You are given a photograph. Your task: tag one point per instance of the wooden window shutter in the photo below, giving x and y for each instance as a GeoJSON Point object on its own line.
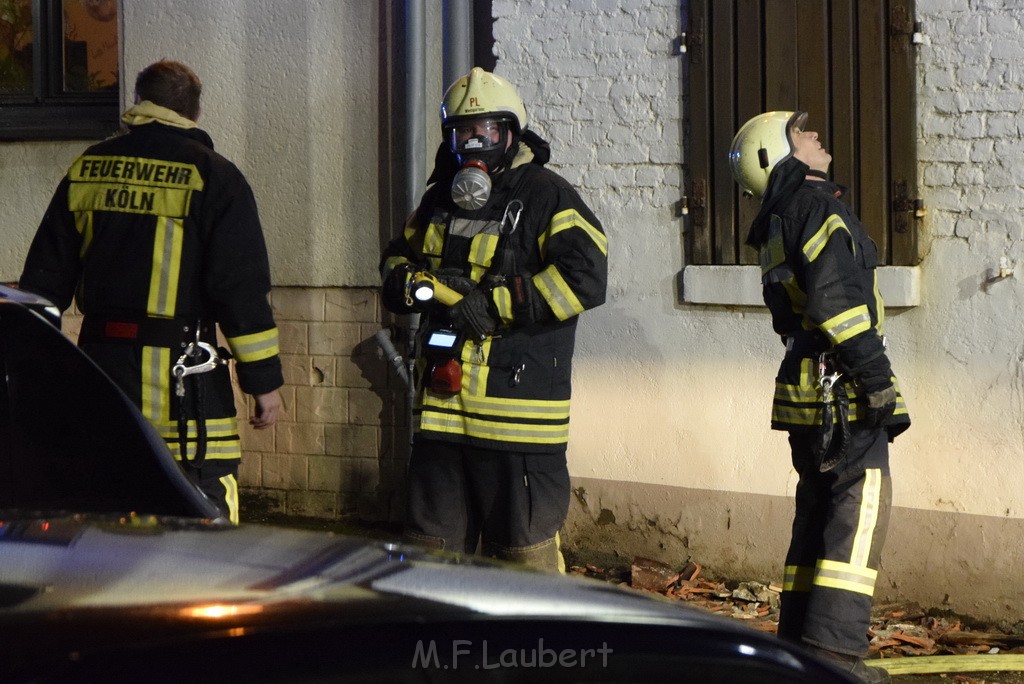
{"type": "Point", "coordinates": [849, 63]}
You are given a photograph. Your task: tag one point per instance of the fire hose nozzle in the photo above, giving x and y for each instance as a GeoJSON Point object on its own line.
{"type": "Point", "coordinates": [426, 287]}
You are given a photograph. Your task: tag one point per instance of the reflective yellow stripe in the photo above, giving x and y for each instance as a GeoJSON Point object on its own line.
{"type": "Point", "coordinates": [498, 406]}
{"type": "Point", "coordinates": [163, 283]}
{"type": "Point", "coordinates": [231, 496]}
{"type": "Point", "coordinates": [792, 415]}
{"type": "Point", "coordinates": [849, 323]}
{"type": "Point", "coordinates": [221, 450]}
{"type": "Point", "coordinates": [256, 346]}
{"type": "Point", "coordinates": [805, 396]}
{"type": "Point", "coordinates": [797, 297]}
{"type": "Point", "coordinates": [494, 417]}
{"type": "Point", "coordinates": [215, 428]}
{"type": "Point", "coordinates": [557, 293]}
{"type": "Point", "coordinates": [474, 371]}
{"type": "Point", "coordinates": [503, 303]}
{"type": "Point", "coordinates": [459, 424]}
{"type": "Point", "coordinates": [798, 578]}
{"type": "Point", "coordinates": [481, 254]}
{"type": "Point", "coordinates": [879, 305]}
{"type": "Point", "coordinates": [796, 394]}
{"type": "Point", "coordinates": [570, 218]}
{"type": "Point", "coordinates": [845, 576]}
{"type": "Point", "coordinates": [812, 248]}
{"type": "Point", "coordinates": [391, 262]}
{"type": "Point", "coordinates": [433, 240]}
{"type": "Point", "coordinates": [155, 389]}
{"type": "Point", "coordinates": [871, 497]}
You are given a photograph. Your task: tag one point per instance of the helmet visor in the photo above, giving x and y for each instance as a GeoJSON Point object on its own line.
{"type": "Point", "coordinates": [477, 135]}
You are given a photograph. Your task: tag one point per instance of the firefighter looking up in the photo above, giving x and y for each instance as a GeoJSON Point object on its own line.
{"type": "Point", "coordinates": [158, 239]}
{"type": "Point", "coordinates": [527, 256]}
{"type": "Point", "coordinates": [835, 392]}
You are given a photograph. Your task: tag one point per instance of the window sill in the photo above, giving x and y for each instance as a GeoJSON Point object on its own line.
{"type": "Point", "coordinates": [741, 285]}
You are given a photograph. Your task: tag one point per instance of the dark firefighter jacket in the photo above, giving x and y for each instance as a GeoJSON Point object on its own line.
{"type": "Point", "coordinates": [152, 232]}
{"type": "Point", "coordinates": [818, 274]}
{"type": "Point", "coordinates": [516, 384]}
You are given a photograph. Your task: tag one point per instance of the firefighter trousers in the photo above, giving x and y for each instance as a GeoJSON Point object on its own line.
{"type": "Point", "coordinates": [509, 504]}
{"type": "Point", "coordinates": [838, 533]}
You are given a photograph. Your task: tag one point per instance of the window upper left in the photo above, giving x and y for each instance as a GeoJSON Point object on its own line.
{"type": "Point", "coordinates": [59, 69]}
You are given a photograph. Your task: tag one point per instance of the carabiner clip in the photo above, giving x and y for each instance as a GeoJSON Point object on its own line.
{"type": "Point", "coordinates": [508, 215]}
{"type": "Point", "coordinates": [193, 350]}
{"type": "Point", "coordinates": [826, 379]}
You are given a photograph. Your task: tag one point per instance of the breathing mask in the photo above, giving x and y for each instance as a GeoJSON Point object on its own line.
{"type": "Point", "coordinates": [480, 144]}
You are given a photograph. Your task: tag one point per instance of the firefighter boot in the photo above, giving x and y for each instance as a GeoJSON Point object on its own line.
{"type": "Point", "coordinates": [851, 665]}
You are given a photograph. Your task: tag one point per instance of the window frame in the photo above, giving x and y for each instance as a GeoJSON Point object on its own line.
{"type": "Point", "coordinates": [48, 113]}
{"type": "Point", "coordinates": [854, 71]}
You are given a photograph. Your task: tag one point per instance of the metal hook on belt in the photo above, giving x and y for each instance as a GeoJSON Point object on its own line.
{"type": "Point", "coordinates": [826, 379]}
{"type": "Point", "coordinates": [193, 350]}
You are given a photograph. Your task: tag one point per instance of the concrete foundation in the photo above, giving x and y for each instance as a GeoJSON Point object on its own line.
{"type": "Point", "coordinates": [937, 559]}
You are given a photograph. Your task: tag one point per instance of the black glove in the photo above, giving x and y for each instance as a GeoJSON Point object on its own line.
{"type": "Point", "coordinates": [394, 290]}
{"type": "Point", "coordinates": [878, 395]}
{"type": "Point", "coordinates": [474, 315]}
{"type": "Point", "coordinates": [452, 278]}
{"type": "Point", "coordinates": [864, 361]}
{"type": "Point", "coordinates": [880, 405]}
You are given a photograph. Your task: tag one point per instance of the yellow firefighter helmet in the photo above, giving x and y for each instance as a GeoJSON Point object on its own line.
{"type": "Point", "coordinates": [761, 145]}
{"type": "Point", "coordinates": [479, 94]}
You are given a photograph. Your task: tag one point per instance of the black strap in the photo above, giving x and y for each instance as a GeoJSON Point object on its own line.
{"type": "Point", "coordinates": [198, 391]}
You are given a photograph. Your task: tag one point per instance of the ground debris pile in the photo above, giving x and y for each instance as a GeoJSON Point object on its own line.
{"type": "Point", "coordinates": [908, 630]}
{"type": "Point", "coordinates": [896, 630]}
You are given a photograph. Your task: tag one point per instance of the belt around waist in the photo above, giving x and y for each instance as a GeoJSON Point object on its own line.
{"type": "Point", "coordinates": [806, 343]}
{"type": "Point", "coordinates": [173, 333]}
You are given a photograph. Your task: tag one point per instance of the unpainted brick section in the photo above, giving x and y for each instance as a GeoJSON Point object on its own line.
{"type": "Point", "coordinates": [322, 459]}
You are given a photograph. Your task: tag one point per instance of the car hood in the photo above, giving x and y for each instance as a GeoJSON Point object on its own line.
{"type": "Point", "coordinates": [82, 562]}
{"type": "Point", "coordinates": [107, 597]}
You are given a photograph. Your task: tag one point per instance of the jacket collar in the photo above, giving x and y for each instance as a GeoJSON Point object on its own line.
{"type": "Point", "coordinates": [146, 113]}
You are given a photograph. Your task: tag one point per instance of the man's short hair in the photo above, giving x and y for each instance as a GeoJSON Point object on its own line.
{"type": "Point", "coordinates": [172, 85]}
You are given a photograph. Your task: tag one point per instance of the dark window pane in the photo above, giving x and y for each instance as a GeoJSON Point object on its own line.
{"type": "Point", "coordinates": [16, 20]}
{"type": "Point", "coordinates": [90, 46]}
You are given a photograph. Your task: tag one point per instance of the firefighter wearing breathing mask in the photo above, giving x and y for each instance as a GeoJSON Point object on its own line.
{"type": "Point", "coordinates": [525, 256]}
{"type": "Point", "coordinates": [835, 390]}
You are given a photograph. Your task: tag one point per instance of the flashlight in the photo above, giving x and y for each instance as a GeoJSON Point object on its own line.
{"type": "Point", "coordinates": [425, 287]}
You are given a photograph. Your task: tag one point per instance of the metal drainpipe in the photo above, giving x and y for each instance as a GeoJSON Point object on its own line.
{"type": "Point", "coordinates": [457, 28]}
{"type": "Point", "coordinates": [457, 21]}
{"type": "Point", "coordinates": [415, 154]}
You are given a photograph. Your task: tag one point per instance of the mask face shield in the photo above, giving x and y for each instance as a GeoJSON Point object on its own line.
{"type": "Point", "coordinates": [476, 137]}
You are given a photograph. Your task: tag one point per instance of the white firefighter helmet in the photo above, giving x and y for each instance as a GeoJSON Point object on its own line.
{"type": "Point", "coordinates": [760, 145]}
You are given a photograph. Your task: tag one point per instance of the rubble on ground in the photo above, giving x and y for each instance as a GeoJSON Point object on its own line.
{"type": "Point", "coordinates": [896, 630]}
